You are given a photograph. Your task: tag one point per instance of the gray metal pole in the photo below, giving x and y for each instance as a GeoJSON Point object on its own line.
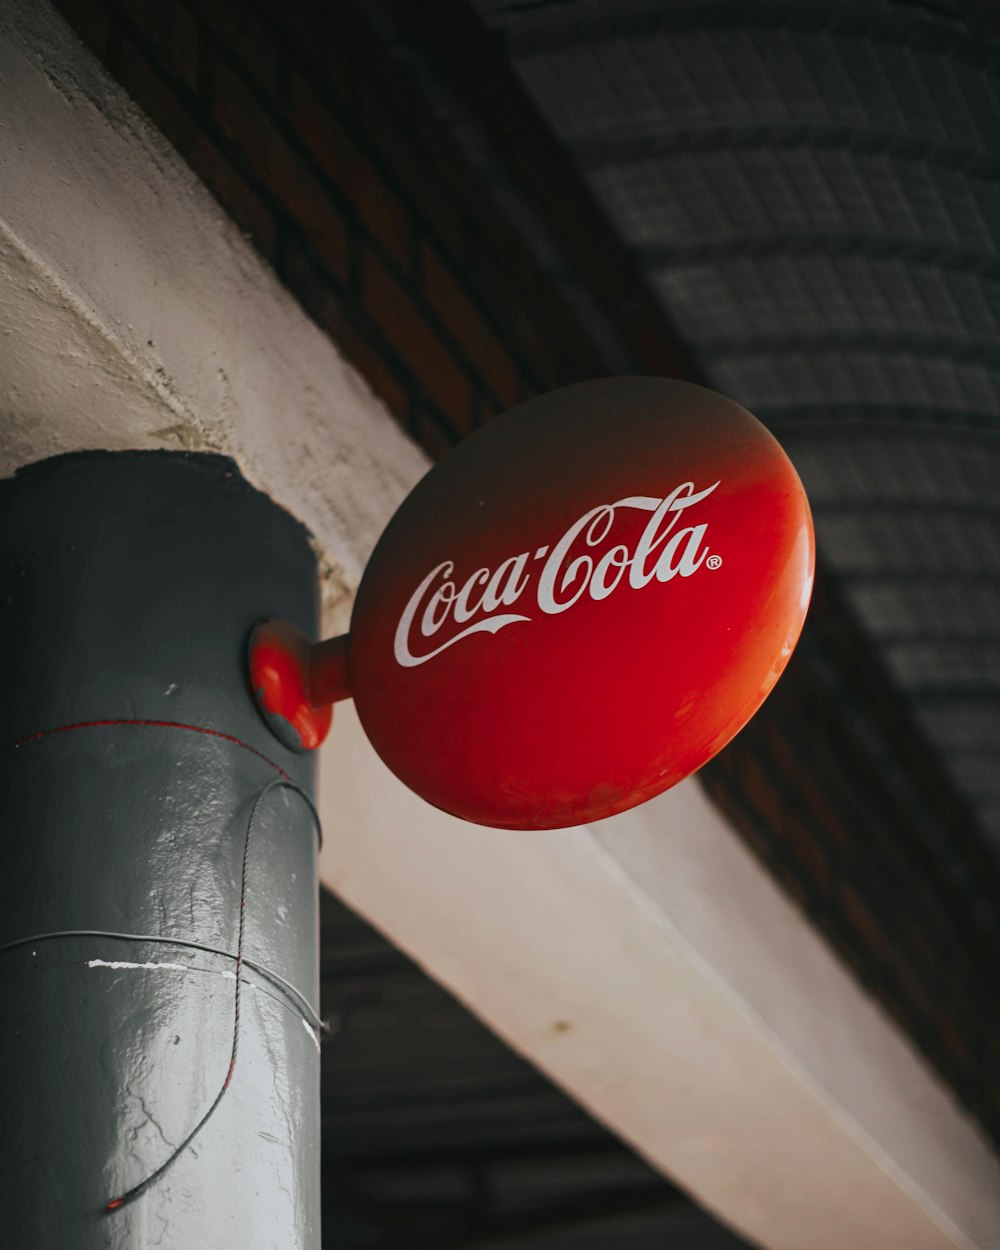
{"type": "Point", "coordinates": [132, 761]}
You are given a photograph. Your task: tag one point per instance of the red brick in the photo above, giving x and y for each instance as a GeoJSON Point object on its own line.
{"type": "Point", "coordinates": [529, 337]}
{"type": "Point", "coordinates": [795, 884]}
{"type": "Point", "coordinates": [547, 334]}
{"type": "Point", "coordinates": [914, 987]}
{"type": "Point", "coordinates": [253, 216]}
{"type": "Point", "coordinates": [315, 42]}
{"type": "Point", "coordinates": [815, 786]}
{"type": "Point", "coordinates": [930, 938]}
{"type": "Point", "coordinates": [377, 372]}
{"type": "Point", "coordinates": [379, 209]}
{"type": "Point", "coordinates": [528, 388]}
{"type": "Point", "coordinates": [171, 33]}
{"type": "Point", "coordinates": [151, 91]}
{"type": "Point", "coordinates": [148, 88]}
{"type": "Point", "coordinates": [253, 41]}
{"type": "Point", "coordinates": [759, 791]}
{"type": "Point", "coordinates": [184, 130]}
{"type": "Point", "coordinates": [382, 213]}
{"type": "Point", "coordinates": [862, 920]}
{"type": "Point", "coordinates": [406, 328]}
{"type": "Point", "coordinates": [806, 844]}
{"type": "Point", "coordinates": [448, 198]}
{"type": "Point", "coordinates": [486, 409]}
{"type": "Point", "coordinates": [417, 171]}
{"type": "Point", "coordinates": [88, 22]}
{"type": "Point", "coordinates": [432, 435]}
{"type": "Point", "coordinates": [788, 758]}
{"type": "Point", "coordinates": [753, 832]}
{"type": "Point", "coordinates": [463, 321]}
{"type": "Point", "coordinates": [310, 285]}
{"type": "Point", "coordinates": [257, 136]}
{"type": "Point", "coordinates": [251, 125]}
{"type": "Point", "coordinates": [322, 224]}
{"type": "Point", "coordinates": [321, 131]}
{"type": "Point", "coordinates": [431, 168]}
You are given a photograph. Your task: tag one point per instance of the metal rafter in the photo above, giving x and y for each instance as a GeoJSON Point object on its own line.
{"type": "Point", "coordinates": [850, 421]}
{"type": "Point", "coordinates": [666, 256]}
{"type": "Point", "coordinates": [885, 342]}
{"type": "Point", "coordinates": [545, 28]}
{"type": "Point", "coordinates": [749, 134]}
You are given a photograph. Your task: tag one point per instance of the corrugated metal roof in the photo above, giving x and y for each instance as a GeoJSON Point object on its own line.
{"type": "Point", "coordinates": [812, 192]}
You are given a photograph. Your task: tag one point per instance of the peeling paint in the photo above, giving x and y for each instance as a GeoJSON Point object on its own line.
{"type": "Point", "coordinates": [188, 436]}
{"type": "Point", "coordinates": [119, 964]}
{"type": "Point", "coordinates": [124, 963]}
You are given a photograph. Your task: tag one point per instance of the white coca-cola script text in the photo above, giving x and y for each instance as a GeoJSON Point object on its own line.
{"type": "Point", "coordinates": [571, 569]}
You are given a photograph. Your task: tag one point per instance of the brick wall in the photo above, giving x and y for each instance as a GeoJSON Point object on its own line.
{"type": "Point", "coordinates": [314, 142]}
{"type": "Point", "coordinates": [321, 148]}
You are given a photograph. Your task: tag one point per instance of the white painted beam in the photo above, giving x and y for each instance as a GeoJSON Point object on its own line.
{"type": "Point", "coordinates": [653, 969]}
{"type": "Point", "coordinates": [648, 964]}
{"type": "Point", "coordinates": [135, 314]}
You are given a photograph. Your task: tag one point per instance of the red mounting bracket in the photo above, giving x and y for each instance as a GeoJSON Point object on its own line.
{"type": "Point", "coordinates": [296, 682]}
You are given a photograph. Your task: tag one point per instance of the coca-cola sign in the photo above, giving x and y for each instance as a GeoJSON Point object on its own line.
{"type": "Point", "coordinates": [581, 603]}
{"type": "Point", "coordinates": [663, 552]}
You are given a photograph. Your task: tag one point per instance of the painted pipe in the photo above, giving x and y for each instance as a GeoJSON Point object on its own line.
{"type": "Point", "coordinates": [158, 889]}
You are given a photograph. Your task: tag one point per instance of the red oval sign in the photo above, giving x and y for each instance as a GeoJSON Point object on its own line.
{"type": "Point", "coordinates": [582, 603]}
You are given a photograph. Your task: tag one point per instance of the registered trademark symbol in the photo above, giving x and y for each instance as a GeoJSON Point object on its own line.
{"type": "Point", "coordinates": [714, 562]}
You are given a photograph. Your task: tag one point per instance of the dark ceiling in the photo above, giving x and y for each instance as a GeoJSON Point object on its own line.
{"type": "Point", "coordinates": [810, 190]}
{"type": "Point", "coordinates": [436, 1135]}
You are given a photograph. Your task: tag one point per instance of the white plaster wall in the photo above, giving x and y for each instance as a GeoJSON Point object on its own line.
{"type": "Point", "coordinates": [707, 1023]}
{"type": "Point", "coordinates": [136, 314]}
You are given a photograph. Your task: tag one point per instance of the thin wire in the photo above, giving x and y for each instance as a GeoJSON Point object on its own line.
{"type": "Point", "coordinates": [40, 734]}
{"type": "Point", "coordinates": [148, 724]}
{"type": "Point", "coordinates": [296, 996]}
{"type": "Point", "coordinates": [116, 1204]}
{"type": "Point", "coordinates": [282, 781]}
